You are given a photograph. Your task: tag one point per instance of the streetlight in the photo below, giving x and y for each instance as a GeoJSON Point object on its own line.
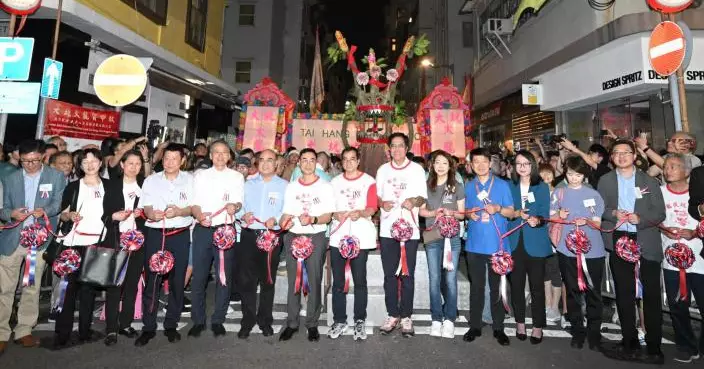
{"type": "Point", "coordinates": [425, 64]}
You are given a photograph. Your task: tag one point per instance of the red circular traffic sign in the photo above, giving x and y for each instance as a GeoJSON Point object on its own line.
{"type": "Point", "coordinates": [666, 49]}
{"type": "Point", "coordinates": [670, 6]}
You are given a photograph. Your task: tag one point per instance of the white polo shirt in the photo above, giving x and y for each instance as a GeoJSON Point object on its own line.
{"type": "Point", "coordinates": [159, 192]}
{"type": "Point", "coordinates": [213, 189]}
{"type": "Point", "coordinates": [398, 183]}
{"type": "Point", "coordinates": [314, 199]}
{"type": "Point", "coordinates": [354, 194]}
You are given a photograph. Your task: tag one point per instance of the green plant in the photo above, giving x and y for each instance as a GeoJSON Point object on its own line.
{"type": "Point", "coordinates": [400, 114]}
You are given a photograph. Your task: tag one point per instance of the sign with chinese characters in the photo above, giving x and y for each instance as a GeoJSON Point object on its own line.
{"type": "Point", "coordinates": [260, 127]}
{"type": "Point", "coordinates": [322, 135]}
{"type": "Point", "coordinates": [447, 131]}
{"type": "Point", "coordinates": [64, 119]}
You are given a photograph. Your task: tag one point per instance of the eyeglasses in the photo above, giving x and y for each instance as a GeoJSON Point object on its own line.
{"type": "Point", "coordinates": [622, 153]}
{"type": "Point", "coordinates": [28, 161]}
{"type": "Point", "coordinates": [523, 165]}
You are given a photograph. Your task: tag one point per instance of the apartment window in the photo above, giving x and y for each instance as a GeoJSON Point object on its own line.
{"type": "Point", "coordinates": [243, 72]}
{"type": "Point", "coordinates": [155, 10]}
{"type": "Point", "coordinates": [197, 21]}
{"type": "Point", "coordinates": [467, 34]}
{"type": "Point", "coordinates": [247, 14]}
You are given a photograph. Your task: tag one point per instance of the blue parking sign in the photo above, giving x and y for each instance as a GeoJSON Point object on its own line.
{"type": "Point", "coordinates": [15, 58]}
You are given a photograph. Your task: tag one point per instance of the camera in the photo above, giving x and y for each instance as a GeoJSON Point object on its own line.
{"type": "Point", "coordinates": [557, 139]}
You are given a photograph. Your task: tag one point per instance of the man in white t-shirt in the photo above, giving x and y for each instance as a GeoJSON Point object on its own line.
{"type": "Point", "coordinates": [218, 193]}
{"type": "Point", "coordinates": [681, 228]}
{"type": "Point", "coordinates": [166, 200]}
{"type": "Point", "coordinates": [308, 207]}
{"type": "Point", "coordinates": [355, 203]}
{"type": "Point", "coordinates": [401, 190]}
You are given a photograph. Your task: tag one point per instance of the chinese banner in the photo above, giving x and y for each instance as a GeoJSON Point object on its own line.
{"type": "Point", "coordinates": [447, 131]}
{"type": "Point", "coordinates": [68, 120]}
{"type": "Point", "coordinates": [260, 127]}
{"type": "Point", "coordinates": [321, 135]}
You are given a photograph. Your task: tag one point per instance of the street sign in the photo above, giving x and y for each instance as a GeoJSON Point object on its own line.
{"type": "Point", "coordinates": [15, 58]}
{"type": "Point", "coordinates": [51, 78]}
{"type": "Point", "coordinates": [670, 6]}
{"type": "Point", "coordinates": [666, 49]}
{"type": "Point", "coordinates": [19, 97]}
{"type": "Point", "coordinates": [120, 80]}
{"type": "Point", "coordinates": [532, 94]}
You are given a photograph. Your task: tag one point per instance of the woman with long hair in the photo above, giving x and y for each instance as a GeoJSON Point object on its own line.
{"type": "Point", "coordinates": [445, 198]}
{"type": "Point", "coordinates": [83, 226]}
{"type": "Point", "coordinates": [530, 245]}
{"type": "Point", "coordinates": [119, 204]}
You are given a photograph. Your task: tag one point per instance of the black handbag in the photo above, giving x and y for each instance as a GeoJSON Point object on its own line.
{"type": "Point", "coordinates": [55, 247]}
{"type": "Point", "coordinates": [101, 266]}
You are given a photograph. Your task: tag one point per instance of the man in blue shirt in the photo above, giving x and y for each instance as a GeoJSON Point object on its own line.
{"type": "Point", "coordinates": [493, 195]}
{"type": "Point", "coordinates": [263, 203]}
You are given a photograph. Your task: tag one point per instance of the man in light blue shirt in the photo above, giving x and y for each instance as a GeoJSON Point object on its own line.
{"type": "Point", "coordinates": [263, 205]}
{"type": "Point", "coordinates": [626, 198]}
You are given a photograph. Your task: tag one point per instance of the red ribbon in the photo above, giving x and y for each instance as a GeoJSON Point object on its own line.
{"type": "Point", "coordinates": [683, 285]}
{"type": "Point", "coordinates": [348, 275]}
{"type": "Point", "coordinates": [404, 259]}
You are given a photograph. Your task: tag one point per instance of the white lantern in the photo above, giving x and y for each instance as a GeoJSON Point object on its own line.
{"type": "Point", "coordinates": [670, 6]}
{"type": "Point", "coordinates": [20, 7]}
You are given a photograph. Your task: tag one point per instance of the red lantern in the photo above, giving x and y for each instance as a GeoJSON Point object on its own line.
{"type": "Point", "coordinates": [20, 7]}
{"type": "Point", "coordinates": [669, 6]}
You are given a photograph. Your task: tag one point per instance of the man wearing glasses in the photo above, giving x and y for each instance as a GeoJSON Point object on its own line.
{"type": "Point", "coordinates": [29, 195]}
{"type": "Point", "coordinates": [634, 204]}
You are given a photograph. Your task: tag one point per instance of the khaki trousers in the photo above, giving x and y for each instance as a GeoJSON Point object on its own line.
{"type": "Point", "coordinates": [28, 310]}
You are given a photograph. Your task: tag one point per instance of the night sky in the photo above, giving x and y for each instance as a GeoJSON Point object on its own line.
{"type": "Point", "coordinates": [360, 21]}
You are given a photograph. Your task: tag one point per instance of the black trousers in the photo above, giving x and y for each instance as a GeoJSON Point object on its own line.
{"type": "Point", "coordinates": [592, 296]}
{"type": "Point", "coordinates": [251, 270]}
{"type": "Point", "coordinates": [478, 264]}
{"type": "Point", "coordinates": [178, 245]}
{"type": "Point", "coordinates": [85, 293]}
{"type": "Point", "coordinates": [685, 338]}
{"type": "Point", "coordinates": [533, 267]}
{"type": "Point", "coordinates": [390, 259]}
{"type": "Point", "coordinates": [624, 282]}
{"type": "Point", "coordinates": [116, 318]}
{"type": "Point", "coordinates": [359, 277]}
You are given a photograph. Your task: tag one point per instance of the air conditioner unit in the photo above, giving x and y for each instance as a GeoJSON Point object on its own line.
{"type": "Point", "coordinates": [498, 26]}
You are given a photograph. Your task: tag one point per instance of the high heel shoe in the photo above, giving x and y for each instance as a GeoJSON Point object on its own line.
{"type": "Point", "coordinates": [521, 336]}
{"type": "Point", "coordinates": [536, 340]}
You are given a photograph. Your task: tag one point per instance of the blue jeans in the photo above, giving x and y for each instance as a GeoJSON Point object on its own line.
{"type": "Point", "coordinates": [443, 283]}
{"type": "Point", "coordinates": [685, 338]}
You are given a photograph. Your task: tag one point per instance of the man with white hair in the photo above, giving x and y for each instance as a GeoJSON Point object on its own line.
{"type": "Point", "coordinates": [681, 142]}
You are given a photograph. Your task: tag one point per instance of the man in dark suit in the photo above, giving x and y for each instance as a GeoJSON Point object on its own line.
{"type": "Point", "coordinates": [28, 195]}
{"type": "Point", "coordinates": [696, 195]}
{"type": "Point", "coordinates": [633, 202]}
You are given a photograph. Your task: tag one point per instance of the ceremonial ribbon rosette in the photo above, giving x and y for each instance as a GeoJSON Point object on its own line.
{"type": "Point", "coordinates": [266, 241]}
{"type": "Point", "coordinates": [349, 249]}
{"type": "Point", "coordinates": [68, 262]}
{"type": "Point", "coordinates": [448, 227]}
{"type": "Point", "coordinates": [301, 249]}
{"type": "Point", "coordinates": [131, 240]}
{"type": "Point", "coordinates": [681, 257]}
{"type": "Point", "coordinates": [224, 238]}
{"type": "Point", "coordinates": [629, 250]}
{"type": "Point", "coordinates": [32, 237]}
{"type": "Point", "coordinates": [402, 231]}
{"type": "Point", "coordinates": [578, 243]}
{"type": "Point", "coordinates": [161, 262]}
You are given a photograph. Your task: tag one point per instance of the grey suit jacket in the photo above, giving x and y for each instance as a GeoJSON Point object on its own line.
{"type": "Point", "coordinates": [650, 208]}
{"type": "Point", "coordinates": [13, 198]}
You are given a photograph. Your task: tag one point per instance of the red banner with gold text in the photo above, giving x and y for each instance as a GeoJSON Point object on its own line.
{"type": "Point", "coordinates": [64, 119]}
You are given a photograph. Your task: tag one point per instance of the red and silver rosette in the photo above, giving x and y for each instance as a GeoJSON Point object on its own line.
{"type": "Point", "coordinates": [502, 264]}
{"type": "Point", "coordinates": [349, 249]}
{"type": "Point", "coordinates": [267, 241]}
{"type": "Point", "coordinates": [578, 243]}
{"type": "Point", "coordinates": [132, 240]}
{"type": "Point", "coordinates": [69, 261]}
{"type": "Point", "coordinates": [402, 231]}
{"type": "Point", "coordinates": [448, 227]}
{"type": "Point", "coordinates": [681, 257]}
{"type": "Point", "coordinates": [224, 238]}
{"type": "Point", "coordinates": [301, 249]}
{"type": "Point", "coordinates": [629, 250]}
{"type": "Point", "coordinates": [32, 237]}
{"type": "Point", "coordinates": [161, 262]}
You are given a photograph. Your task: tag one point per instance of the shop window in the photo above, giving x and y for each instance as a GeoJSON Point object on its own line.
{"type": "Point", "coordinates": [197, 22]}
{"type": "Point", "coordinates": [247, 14]}
{"type": "Point", "coordinates": [243, 72]}
{"type": "Point", "coordinates": [155, 10]}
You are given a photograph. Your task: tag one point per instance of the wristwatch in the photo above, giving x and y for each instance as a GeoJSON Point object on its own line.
{"type": "Point", "coordinates": [646, 149]}
{"type": "Point", "coordinates": [315, 220]}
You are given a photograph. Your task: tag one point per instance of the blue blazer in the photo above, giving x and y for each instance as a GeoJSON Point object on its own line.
{"type": "Point", "coordinates": [13, 198]}
{"type": "Point", "coordinates": [535, 240]}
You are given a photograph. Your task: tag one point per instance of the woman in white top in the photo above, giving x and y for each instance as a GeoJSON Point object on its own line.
{"type": "Point", "coordinates": [83, 226]}
{"type": "Point", "coordinates": [122, 193]}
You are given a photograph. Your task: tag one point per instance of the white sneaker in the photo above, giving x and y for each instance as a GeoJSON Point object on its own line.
{"type": "Point", "coordinates": [360, 330]}
{"type": "Point", "coordinates": [564, 323]}
{"type": "Point", "coordinates": [448, 329]}
{"type": "Point", "coordinates": [230, 310]}
{"type": "Point", "coordinates": [553, 315]}
{"type": "Point", "coordinates": [337, 329]}
{"type": "Point", "coordinates": [436, 329]}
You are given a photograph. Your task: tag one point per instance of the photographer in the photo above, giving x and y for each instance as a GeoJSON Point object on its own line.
{"type": "Point", "coordinates": [596, 158]}
{"type": "Point", "coordinates": [114, 161]}
{"type": "Point", "coordinates": [680, 143]}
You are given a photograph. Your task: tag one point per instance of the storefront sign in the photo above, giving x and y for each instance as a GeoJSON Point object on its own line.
{"type": "Point", "coordinates": [321, 135]}
{"type": "Point", "coordinates": [622, 81]}
{"type": "Point", "coordinates": [64, 119]}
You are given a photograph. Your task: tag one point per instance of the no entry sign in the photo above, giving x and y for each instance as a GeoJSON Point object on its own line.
{"type": "Point", "coordinates": [667, 48]}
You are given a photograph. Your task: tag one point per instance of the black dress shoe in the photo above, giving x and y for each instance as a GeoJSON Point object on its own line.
{"type": "Point", "coordinates": [244, 332]}
{"type": "Point", "coordinates": [624, 353]}
{"type": "Point", "coordinates": [267, 331]}
{"type": "Point", "coordinates": [218, 330]}
{"type": "Point", "coordinates": [144, 338]}
{"type": "Point", "coordinates": [196, 330]}
{"type": "Point", "coordinates": [111, 339]}
{"type": "Point", "coordinates": [287, 333]}
{"type": "Point", "coordinates": [172, 334]}
{"type": "Point", "coordinates": [501, 338]}
{"type": "Point", "coordinates": [91, 336]}
{"type": "Point", "coordinates": [654, 357]}
{"type": "Point", "coordinates": [313, 334]}
{"type": "Point", "coordinates": [60, 342]}
{"type": "Point", "coordinates": [577, 342]}
{"type": "Point", "coordinates": [128, 332]}
{"type": "Point", "coordinates": [472, 334]}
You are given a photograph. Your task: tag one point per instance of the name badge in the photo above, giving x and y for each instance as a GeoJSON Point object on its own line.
{"type": "Point", "coordinates": [482, 195]}
{"type": "Point", "coordinates": [45, 187]}
{"type": "Point", "coordinates": [273, 196]}
{"type": "Point", "coordinates": [530, 197]}
{"type": "Point", "coordinates": [639, 194]}
{"type": "Point", "coordinates": [485, 217]}
{"type": "Point", "coordinates": [589, 203]}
